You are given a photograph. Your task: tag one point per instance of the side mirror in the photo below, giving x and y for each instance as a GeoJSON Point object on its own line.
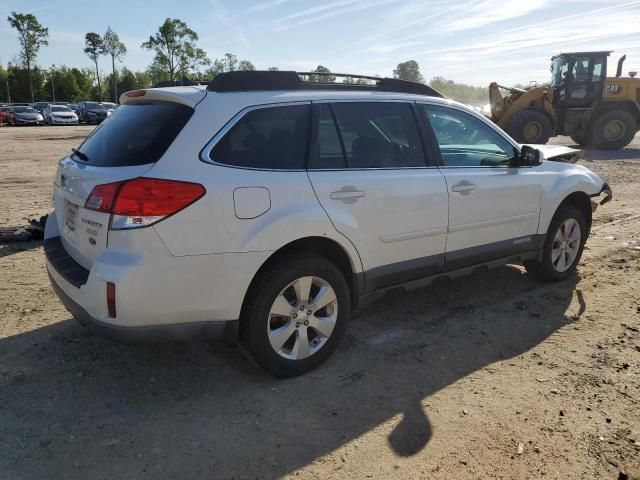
{"type": "Point", "coordinates": [529, 157]}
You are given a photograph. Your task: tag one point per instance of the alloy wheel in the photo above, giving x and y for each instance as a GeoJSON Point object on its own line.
{"type": "Point", "coordinates": [566, 245]}
{"type": "Point", "coordinates": [302, 318]}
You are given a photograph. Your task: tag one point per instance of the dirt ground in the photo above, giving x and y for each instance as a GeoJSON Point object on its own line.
{"type": "Point", "coordinates": [442, 383]}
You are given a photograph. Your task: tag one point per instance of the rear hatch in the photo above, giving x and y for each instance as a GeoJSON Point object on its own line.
{"type": "Point", "coordinates": [123, 147]}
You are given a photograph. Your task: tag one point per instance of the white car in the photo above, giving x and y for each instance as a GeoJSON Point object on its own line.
{"type": "Point", "coordinates": [266, 207]}
{"type": "Point", "coordinates": [59, 115]}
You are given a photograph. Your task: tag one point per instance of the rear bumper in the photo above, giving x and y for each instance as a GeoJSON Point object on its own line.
{"type": "Point", "coordinates": [227, 331]}
{"type": "Point", "coordinates": [73, 285]}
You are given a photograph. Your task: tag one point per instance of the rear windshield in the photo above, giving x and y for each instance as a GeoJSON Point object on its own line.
{"type": "Point", "coordinates": [93, 106]}
{"type": "Point", "coordinates": [134, 134]}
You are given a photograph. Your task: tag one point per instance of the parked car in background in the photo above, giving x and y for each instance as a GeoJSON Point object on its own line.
{"type": "Point", "coordinates": [91, 112]}
{"type": "Point", "coordinates": [40, 106]}
{"type": "Point", "coordinates": [110, 106]}
{"type": "Point", "coordinates": [73, 106]}
{"type": "Point", "coordinates": [25, 115]}
{"type": "Point", "coordinates": [294, 203]}
{"type": "Point", "coordinates": [60, 115]}
{"type": "Point", "coordinates": [4, 113]}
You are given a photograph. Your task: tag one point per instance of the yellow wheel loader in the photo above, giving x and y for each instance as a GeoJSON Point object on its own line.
{"type": "Point", "coordinates": [580, 101]}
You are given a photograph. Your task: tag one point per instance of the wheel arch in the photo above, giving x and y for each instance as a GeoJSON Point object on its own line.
{"type": "Point", "coordinates": [627, 106]}
{"type": "Point", "coordinates": [582, 202]}
{"type": "Point", "coordinates": [325, 247]}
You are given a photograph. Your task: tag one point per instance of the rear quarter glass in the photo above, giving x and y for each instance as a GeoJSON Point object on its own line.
{"type": "Point", "coordinates": [135, 134]}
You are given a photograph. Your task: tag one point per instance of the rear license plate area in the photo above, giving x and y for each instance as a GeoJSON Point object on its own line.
{"type": "Point", "coordinates": [70, 215]}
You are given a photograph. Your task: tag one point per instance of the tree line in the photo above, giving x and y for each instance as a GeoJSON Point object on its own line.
{"type": "Point", "coordinates": [177, 56]}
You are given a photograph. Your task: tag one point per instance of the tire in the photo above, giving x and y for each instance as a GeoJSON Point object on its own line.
{"type": "Point", "coordinates": [613, 130]}
{"type": "Point", "coordinates": [530, 126]}
{"type": "Point", "coordinates": [579, 139]}
{"type": "Point", "coordinates": [274, 290]}
{"type": "Point", "coordinates": [550, 268]}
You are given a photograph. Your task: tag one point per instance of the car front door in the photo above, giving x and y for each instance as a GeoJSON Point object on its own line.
{"type": "Point", "coordinates": [368, 167]}
{"type": "Point", "coordinates": [494, 207]}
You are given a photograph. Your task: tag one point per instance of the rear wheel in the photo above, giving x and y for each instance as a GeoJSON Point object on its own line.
{"type": "Point", "coordinates": [296, 314]}
{"type": "Point", "coordinates": [563, 246]}
{"type": "Point", "coordinates": [530, 126]}
{"type": "Point", "coordinates": [613, 130]}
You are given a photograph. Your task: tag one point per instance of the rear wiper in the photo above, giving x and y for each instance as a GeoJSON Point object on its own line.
{"type": "Point", "coordinates": [80, 155]}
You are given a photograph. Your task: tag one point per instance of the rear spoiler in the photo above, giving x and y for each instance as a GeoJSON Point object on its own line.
{"type": "Point", "coordinates": [189, 96]}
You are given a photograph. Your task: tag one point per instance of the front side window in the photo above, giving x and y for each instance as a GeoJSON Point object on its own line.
{"type": "Point", "coordinates": [271, 138]}
{"type": "Point", "coordinates": [379, 135]}
{"type": "Point", "coordinates": [466, 141]}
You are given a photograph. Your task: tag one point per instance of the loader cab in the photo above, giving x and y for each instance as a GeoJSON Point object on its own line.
{"type": "Point", "coordinates": [578, 78]}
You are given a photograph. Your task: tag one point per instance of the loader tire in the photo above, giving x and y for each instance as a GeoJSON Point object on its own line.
{"type": "Point", "coordinates": [613, 130]}
{"type": "Point", "coordinates": [580, 140]}
{"type": "Point", "coordinates": [530, 126]}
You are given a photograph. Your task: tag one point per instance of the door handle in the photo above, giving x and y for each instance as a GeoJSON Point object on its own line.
{"type": "Point", "coordinates": [463, 187]}
{"type": "Point", "coordinates": [346, 195]}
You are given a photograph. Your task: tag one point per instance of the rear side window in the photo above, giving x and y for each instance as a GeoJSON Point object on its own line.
{"type": "Point", "coordinates": [379, 135]}
{"type": "Point", "coordinates": [272, 138]}
{"type": "Point", "coordinates": [135, 134]}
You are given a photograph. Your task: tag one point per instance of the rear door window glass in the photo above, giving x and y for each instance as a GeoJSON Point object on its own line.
{"type": "Point", "coordinates": [379, 135]}
{"type": "Point", "coordinates": [273, 138]}
{"type": "Point", "coordinates": [135, 134]}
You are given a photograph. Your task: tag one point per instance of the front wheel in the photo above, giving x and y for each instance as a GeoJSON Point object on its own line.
{"type": "Point", "coordinates": [563, 246]}
{"type": "Point", "coordinates": [296, 314]}
{"type": "Point", "coordinates": [530, 126]}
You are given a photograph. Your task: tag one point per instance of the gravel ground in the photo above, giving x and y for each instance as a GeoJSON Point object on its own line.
{"type": "Point", "coordinates": [489, 376]}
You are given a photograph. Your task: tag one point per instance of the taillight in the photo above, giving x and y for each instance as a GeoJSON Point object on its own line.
{"type": "Point", "coordinates": [102, 196]}
{"type": "Point", "coordinates": [142, 201]}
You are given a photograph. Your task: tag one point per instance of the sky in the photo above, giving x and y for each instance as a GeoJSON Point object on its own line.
{"type": "Point", "coordinates": [468, 41]}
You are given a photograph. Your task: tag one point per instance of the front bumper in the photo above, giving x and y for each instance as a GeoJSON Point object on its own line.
{"type": "Point", "coordinates": [22, 121]}
{"type": "Point", "coordinates": [603, 196]}
{"type": "Point", "coordinates": [68, 276]}
{"type": "Point", "coordinates": [63, 121]}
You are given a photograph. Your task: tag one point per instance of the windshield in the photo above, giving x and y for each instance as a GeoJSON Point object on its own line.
{"type": "Point", "coordinates": [60, 109]}
{"type": "Point", "coordinates": [94, 106]}
{"type": "Point", "coordinates": [24, 110]}
{"type": "Point", "coordinates": [559, 69]}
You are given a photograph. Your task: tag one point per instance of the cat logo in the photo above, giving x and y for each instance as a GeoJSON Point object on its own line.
{"type": "Point", "coordinates": [612, 88]}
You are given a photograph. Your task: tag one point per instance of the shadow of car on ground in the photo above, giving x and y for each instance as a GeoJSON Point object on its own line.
{"type": "Point", "coordinates": [74, 403]}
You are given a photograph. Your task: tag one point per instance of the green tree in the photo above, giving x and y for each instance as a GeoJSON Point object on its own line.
{"type": "Point", "coordinates": [460, 91]}
{"type": "Point", "coordinates": [94, 48]}
{"type": "Point", "coordinates": [273, 69]}
{"type": "Point", "coordinates": [175, 47]}
{"type": "Point", "coordinates": [321, 78]}
{"type": "Point", "coordinates": [4, 82]}
{"type": "Point", "coordinates": [409, 70]}
{"type": "Point", "coordinates": [116, 49]}
{"type": "Point", "coordinates": [228, 63]}
{"type": "Point", "coordinates": [32, 36]}
{"type": "Point", "coordinates": [21, 89]}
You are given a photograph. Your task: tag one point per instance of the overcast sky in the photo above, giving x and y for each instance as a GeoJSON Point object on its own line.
{"type": "Point", "coordinates": [474, 41]}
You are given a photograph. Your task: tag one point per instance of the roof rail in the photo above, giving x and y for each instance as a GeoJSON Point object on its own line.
{"type": "Point", "coordinates": [245, 81]}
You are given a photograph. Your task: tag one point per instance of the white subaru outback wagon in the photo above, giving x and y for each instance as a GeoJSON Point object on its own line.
{"type": "Point", "coordinates": [267, 207]}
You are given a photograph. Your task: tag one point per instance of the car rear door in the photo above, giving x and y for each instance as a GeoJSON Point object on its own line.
{"type": "Point", "coordinates": [494, 207]}
{"type": "Point", "coordinates": [369, 170]}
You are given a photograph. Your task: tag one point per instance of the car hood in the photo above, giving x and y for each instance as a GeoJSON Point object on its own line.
{"type": "Point", "coordinates": [559, 153]}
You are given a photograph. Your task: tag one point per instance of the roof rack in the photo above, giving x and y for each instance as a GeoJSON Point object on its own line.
{"type": "Point", "coordinates": [245, 81]}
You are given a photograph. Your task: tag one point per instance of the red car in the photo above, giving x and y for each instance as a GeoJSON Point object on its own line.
{"type": "Point", "coordinates": [4, 117]}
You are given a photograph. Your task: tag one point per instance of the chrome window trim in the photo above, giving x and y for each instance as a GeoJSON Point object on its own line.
{"type": "Point", "coordinates": [206, 151]}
